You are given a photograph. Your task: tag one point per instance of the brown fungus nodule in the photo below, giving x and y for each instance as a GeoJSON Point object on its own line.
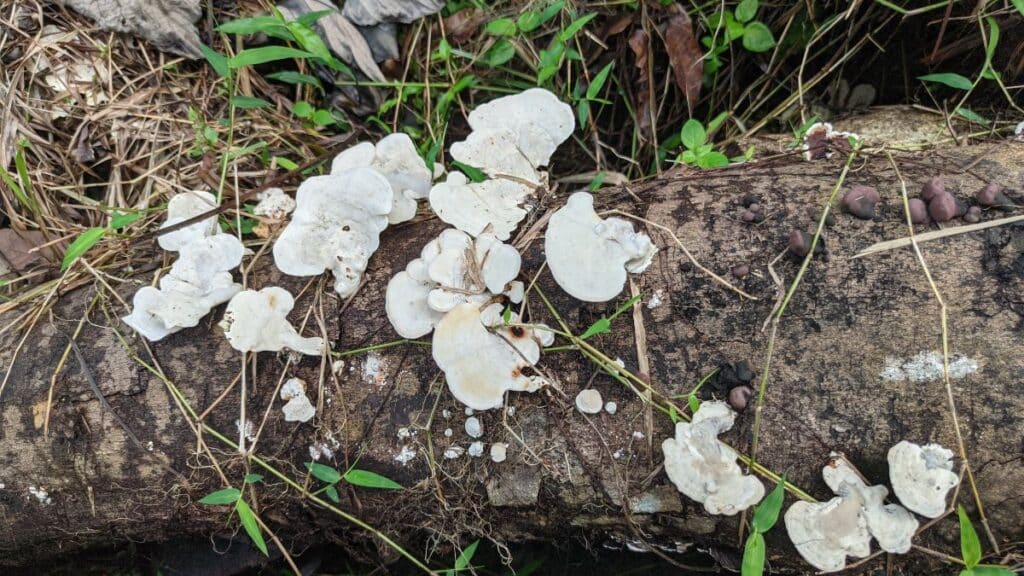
{"type": "Point", "coordinates": [918, 211]}
{"type": "Point", "coordinates": [800, 243]}
{"type": "Point", "coordinates": [992, 195]}
{"type": "Point", "coordinates": [943, 207]}
{"type": "Point", "coordinates": [860, 201]}
{"type": "Point", "coordinates": [933, 187]}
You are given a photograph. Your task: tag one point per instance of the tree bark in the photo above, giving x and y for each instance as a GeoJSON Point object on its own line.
{"type": "Point", "coordinates": [566, 474]}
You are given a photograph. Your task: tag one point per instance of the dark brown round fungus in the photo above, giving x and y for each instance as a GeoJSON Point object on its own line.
{"type": "Point", "coordinates": [740, 271]}
{"type": "Point", "coordinates": [860, 206]}
{"type": "Point", "coordinates": [800, 243]}
{"type": "Point", "coordinates": [739, 397]}
{"type": "Point", "coordinates": [973, 215]}
{"type": "Point", "coordinates": [992, 195]}
{"type": "Point", "coordinates": [933, 187]}
{"type": "Point", "coordinates": [750, 199]}
{"type": "Point", "coordinates": [748, 216]}
{"type": "Point", "coordinates": [755, 207]}
{"type": "Point", "coordinates": [918, 211]}
{"type": "Point", "coordinates": [942, 207]}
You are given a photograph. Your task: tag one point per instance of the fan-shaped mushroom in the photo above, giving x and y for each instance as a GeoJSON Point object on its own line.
{"type": "Point", "coordinates": [258, 322]}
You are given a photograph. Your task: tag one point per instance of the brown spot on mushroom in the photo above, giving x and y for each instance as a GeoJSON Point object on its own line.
{"type": "Point", "coordinates": [933, 187]}
{"type": "Point", "coordinates": [517, 331]}
{"type": "Point", "coordinates": [942, 207]}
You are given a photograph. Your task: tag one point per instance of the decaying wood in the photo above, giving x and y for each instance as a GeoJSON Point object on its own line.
{"type": "Point", "coordinates": [849, 320]}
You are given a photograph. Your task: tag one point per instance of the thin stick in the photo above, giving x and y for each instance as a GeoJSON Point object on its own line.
{"type": "Point", "coordinates": [935, 235]}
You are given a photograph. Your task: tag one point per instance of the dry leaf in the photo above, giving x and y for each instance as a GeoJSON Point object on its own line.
{"type": "Point", "coordinates": [615, 27]}
{"type": "Point", "coordinates": [372, 12]}
{"type": "Point", "coordinates": [340, 35]}
{"type": "Point", "coordinates": [15, 248]}
{"type": "Point", "coordinates": [685, 56]}
{"type": "Point", "coordinates": [460, 26]}
{"type": "Point", "coordinates": [638, 42]}
{"type": "Point", "coordinates": [167, 24]}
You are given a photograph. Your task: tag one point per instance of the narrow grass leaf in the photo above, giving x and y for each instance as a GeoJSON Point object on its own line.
{"type": "Point", "coordinates": [324, 473]}
{"type": "Point", "coordinates": [766, 514]}
{"type": "Point", "coordinates": [1019, 5]}
{"type": "Point", "coordinates": [993, 39]}
{"type": "Point", "coordinates": [223, 496]}
{"type": "Point", "coordinates": [252, 527]}
{"type": "Point", "coordinates": [119, 220]}
{"type": "Point", "coordinates": [531, 20]}
{"type": "Point", "coordinates": [474, 174]}
{"type": "Point", "coordinates": [693, 402]}
{"type": "Point", "coordinates": [293, 77]}
{"type": "Point", "coordinates": [599, 81]}
{"type": "Point", "coordinates": [462, 562]}
{"type": "Point", "coordinates": [253, 25]}
{"type": "Point", "coordinates": [575, 26]}
{"type": "Point", "coordinates": [310, 41]}
{"type": "Point", "coordinates": [250, 102]}
{"type": "Point", "coordinates": [332, 493]}
{"type": "Point", "coordinates": [310, 18]}
{"type": "Point", "coordinates": [972, 116]}
{"type": "Point", "coordinates": [970, 546]}
{"type": "Point", "coordinates": [950, 79]}
{"type": "Point", "coordinates": [753, 556]}
{"type": "Point", "coordinates": [216, 60]}
{"type": "Point", "coordinates": [367, 479]}
{"type": "Point", "coordinates": [992, 571]}
{"type": "Point", "coordinates": [81, 245]}
{"type": "Point", "coordinates": [602, 326]}
{"type": "Point", "coordinates": [253, 478]}
{"type": "Point", "coordinates": [264, 54]}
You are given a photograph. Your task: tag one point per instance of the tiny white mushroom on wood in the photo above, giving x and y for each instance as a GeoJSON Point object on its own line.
{"type": "Point", "coordinates": [703, 468]}
{"type": "Point", "coordinates": [258, 322]}
{"type": "Point", "coordinates": [589, 257]}
{"type": "Point", "coordinates": [922, 476]}
{"type": "Point", "coordinates": [589, 401]}
{"type": "Point", "coordinates": [297, 408]}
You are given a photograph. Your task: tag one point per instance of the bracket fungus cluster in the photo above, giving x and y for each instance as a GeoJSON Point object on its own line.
{"type": "Point", "coordinates": [198, 280]}
{"type": "Point", "coordinates": [257, 321]}
{"type": "Point", "coordinates": [704, 468]}
{"type": "Point", "coordinates": [395, 158]}
{"type": "Point", "coordinates": [590, 256]}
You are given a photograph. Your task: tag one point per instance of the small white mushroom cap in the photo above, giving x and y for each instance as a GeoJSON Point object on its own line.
{"type": "Point", "coordinates": [475, 207]}
{"type": "Point", "coordinates": [499, 451]}
{"type": "Point", "coordinates": [480, 366]}
{"type": "Point", "coordinates": [258, 322]}
{"type": "Point", "coordinates": [476, 449]}
{"type": "Point", "coordinates": [589, 401]}
{"type": "Point", "coordinates": [826, 533]}
{"type": "Point", "coordinates": [704, 468]}
{"type": "Point", "coordinates": [395, 158]}
{"type": "Point", "coordinates": [297, 408]}
{"type": "Point", "coordinates": [473, 427]}
{"type": "Point", "coordinates": [336, 225]}
{"type": "Point", "coordinates": [891, 524]}
{"type": "Point", "coordinates": [274, 203]}
{"type": "Point", "coordinates": [922, 476]}
{"type": "Point", "coordinates": [182, 207]}
{"type": "Point", "coordinates": [540, 121]}
{"type": "Point", "coordinates": [589, 257]}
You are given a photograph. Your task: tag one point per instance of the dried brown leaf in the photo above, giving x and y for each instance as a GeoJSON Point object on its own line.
{"type": "Point", "coordinates": [16, 246]}
{"type": "Point", "coordinates": [638, 42]}
{"type": "Point", "coordinates": [685, 56]}
{"type": "Point", "coordinates": [460, 26]}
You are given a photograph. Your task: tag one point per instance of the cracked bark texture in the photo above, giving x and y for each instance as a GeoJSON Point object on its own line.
{"type": "Point", "coordinates": [565, 475]}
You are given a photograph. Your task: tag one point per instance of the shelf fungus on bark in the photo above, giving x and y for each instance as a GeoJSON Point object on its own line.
{"type": "Point", "coordinates": [482, 358]}
{"type": "Point", "coordinates": [395, 158]}
{"type": "Point", "coordinates": [257, 321]}
{"type": "Point", "coordinates": [336, 225]}
{"type": "Point", "coordinates": [182, 207]}
{"type": "Point", "coordinates": [825, 533]}
{"type": "Point", "coordinates": [452, 269]}
{"type": "Point", "coordinates": [512, 137]}
{"type": "Point", "coordinates": [590, 256]}
{"type": "Point", "coordinates": [922, 476]}
{"type": "Point", "coordinates": [704, 468]}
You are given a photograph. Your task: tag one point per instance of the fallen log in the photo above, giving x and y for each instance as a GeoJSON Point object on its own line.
{"type": "Point", "coordinates": [96, 447]}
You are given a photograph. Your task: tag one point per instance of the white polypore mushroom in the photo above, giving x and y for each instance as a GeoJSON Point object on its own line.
{"type": "Point", "coordinates": [274, 203]}
{"type": "Point", "coordinates": [891, 524]}
{"type": "Point", "coordinates": [704, 468]}
{"type": "Point", "coordinates": [539, 121]}
{"type": "Point", "coordinates": [297, 408]}
{"type": "Point", "coordinates": [395, 158]}
{"type": "Point", "coordinates": [182, 207]}
{"type": "Point", "coordinates": [589, 257]}
{"type": "Point", "coordinates": [475, 207]}
{"type": "Point", "coordinates": [337, 224]}
{"type": "Point", "coordinates": [480, 366]}
{"type": "Point", "coordinates": [825, 533]}
{"type": "Point", "coordinates": [452, 269]}
{"type": "Point", "coordinates": [922, 476]}
{"type": "Point", "coordinates": [258, 322]}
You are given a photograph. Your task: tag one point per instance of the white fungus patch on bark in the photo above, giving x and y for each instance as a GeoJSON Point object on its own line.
{"type": "Point", "coordinates": [927, 366]}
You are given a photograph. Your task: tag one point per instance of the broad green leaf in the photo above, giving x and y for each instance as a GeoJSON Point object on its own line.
{"type": "Point", "coordinates": [596, 183]}
{"type": "Point", "coordinates": [253, 478]}
{"type": "Point", "coordinates": [224, 496]}
{"type": "Point", "coordinates": [692, 134]}
{"type": "Point", "coordinates": [971, 116]}
{"type": "Point", "coordinates": [950, 79]}
{"type": "Point", "coordinates": [252, 527]}
{"type": "Point", "coordinates": [506, 315]}
{"type": "Point", "coordinates": [970, 546]}
{"type": "Point", "coordinates": [712, 159]}
{"type": "Point", "coordinates": [323, 117]}
{"type": "Point", "coordinates": [462, 562]}
{"type": "Point", "coordinates": [264, 54]}
{"type": "Point", "coordinates": [693, 402]}
{"type": "Point", "coordinates": [303, 109]}
{"type": "Point", "coordinates": [766, 514]}
{"type": "Point", "coordinates": [310, 41]}
{"type": "Point", "coordinates": [757, 37]}
{"type": "Point", "coordinates": [500, 53]}
{"type": "Point", "coordinates": [993, 39]}
{"type": "Point", "coordinates": [286, 163]}
{"type": "Point", "coordinates": [501, 27]}
{"type": "Point", "coordinates": [602, 326]}
{"type": "Point", "coordinates": [324, 473]}
{"type": "Point", "coordinates": [598, 83]}
{"type": "Point", "coordinates": [217, 61]}
{"type": "Point", "coordinates": [687, 157]}
{"type": "Point", "coordinates": [81, 245]}
{"type": "Point", "coordinates": [753, 556]}
{"type": "Point", "coordinates": [368, 479]}
{"type": "Point", "coordinates": [119, 220]}
{"type": "Point", "coordinates": [530, 20]}
{"type": "Point", "coordinates": [575, 26]}
{"type": "Point", "coordinates": [967, 572]}
{"type": "Point", "coordinates": [292, 77]}
{"type": "Point", "coordinates": [986, 570]}
{"type": "Point", "coordinates": [746, 10]}
{"type": "Point", "coordinates": [474, 174]}
{"type": "Point", "coordinates": [249, 102]}
{"type": "Point", "coordinates": [332, 493]}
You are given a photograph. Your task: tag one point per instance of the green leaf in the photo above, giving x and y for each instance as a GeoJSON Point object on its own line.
{"type": "Point", "coordinates": [332, 493]}
{"type": "Point", "coordinates": [253, 478]}
{"type": "Point", "coordinates": [252, 528]}
{"type": "Point", "coordinates": [501, 27]}
{"type": "Point", "coordinates": [575, 26]}
{"type": "Point", "coordinates": [224, 496]}
{"type": "Point", "coordinates": [303, 109]}
{"type": "Point", "coordinates": [693, 402]}
{"type": "Point", "coordinates": [286, 163]}
{"type": "Point", "coordinates": [462, 562]}
{"type": "Point", "coordinates": [672, 414]}
{"type": "Point", "coordinates": [598, 83]}
{"type": "Point", "coordinates": [292, 77]}
{"type": "Point", "coordinates": [310, 41]}
{"type": "Point", "coordinates": [119, 220]}
{"type": "Point", "coordinates": [716, 122]}
{"type": "Point", "coordinates": [582, 112]}
{"type": "Point", "coordinates": [81, 245]}
{"type": "Point", "coordinates": [323, 117]}
{"type": "Point", "coordinates": [692, 134]}
{"type": "Point", "coordinates": [753, 556]}
{"type": "Point", "coordinates": [368, 479]}
{"type": "Point", "coordinates": [310, 18]}
{"type": "Point", "coordinates": [766, 514]}
{"type": "Point", "coordinates": [506, 315]}
{"type": "Point", "coordinates": [967, 573]}
{"type": "Point", "coordinates": [249, 102]}
{"type": "Point", "coordinates": [264, 54]}
{"type": "Point", "coordinates": [474, 174]}
{"type": "Point", "coordinates": [1019, 4]}
{"type": "Point", "coordinates": [687, 157]}
{"type": "Point", "coordinates": [746, 10]}
{"type": "Point", "coordinates": [950, 79]}
{"type": "Point", "coordinates": [531, 20]}
{"type": "Point", "coordinates": [712, 159]}
{"type": "Point", "coordinates": [989, 570]}
{"type": "Point", "coordinates": [970, 546]}
{"type": "Point", "coordinates": [500, 53]}
{"type": "Point", "coordinates": [324, 473]}
{"type": "Point", "coordinates": [993, 39]}
{"type": "Point", "coordinates": [602, 326]}
{"type": "Point", "coordinates": [253, 25]}
{"type": "Point", "coordinates": [971, 116]}
{"type": "Point", "coordinates": [758, 38]}
{"type": "Point", "coordinates": [217, 61]}
{"type": "Point", "coordinates": [597, 182]}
